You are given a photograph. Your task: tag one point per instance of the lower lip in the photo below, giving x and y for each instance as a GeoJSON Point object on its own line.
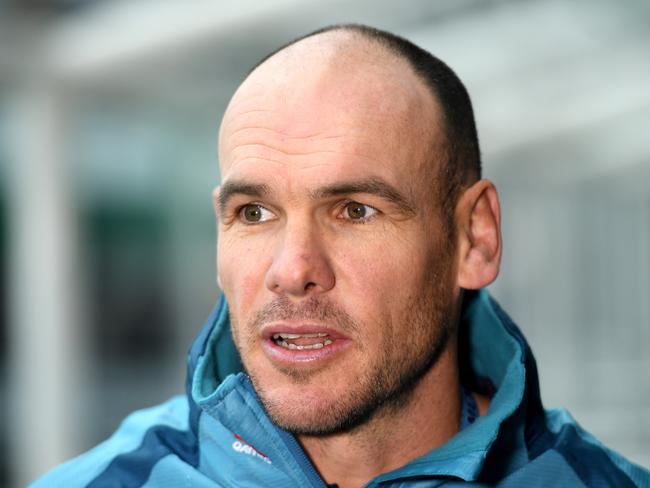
{"type": "Point", "coordinates": [303, 357]}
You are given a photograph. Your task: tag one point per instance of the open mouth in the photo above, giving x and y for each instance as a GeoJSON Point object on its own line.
{"type": "Point", "coordinates": [302, 345]}
{"type": "Point", "coordinates": [300, 342]}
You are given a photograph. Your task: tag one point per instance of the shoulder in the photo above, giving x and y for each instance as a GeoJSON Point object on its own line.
{"type": "Point", "coordinates": [592, 462]}
{"type": "Point", "coordinates": [143, 439]}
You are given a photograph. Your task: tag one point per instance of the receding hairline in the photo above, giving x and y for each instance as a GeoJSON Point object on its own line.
{"type": "Point", "coordinates": [337, 40]}
{"type": "Point", "coordinates": [333, 50]}
{"type": "Point", "coordinates": [344, 42]}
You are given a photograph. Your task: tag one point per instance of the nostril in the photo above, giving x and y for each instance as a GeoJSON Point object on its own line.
{"type": "Point", "coordinates": [297, 273]}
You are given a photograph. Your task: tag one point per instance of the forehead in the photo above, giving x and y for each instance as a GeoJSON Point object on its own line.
{"type": "Point", "coordinates": [354, 111]}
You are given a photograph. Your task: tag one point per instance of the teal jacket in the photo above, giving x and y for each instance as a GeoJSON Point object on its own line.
{"type": "Point", "coordinates": [219, 435]}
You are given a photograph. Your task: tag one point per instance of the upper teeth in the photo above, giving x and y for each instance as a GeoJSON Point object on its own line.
{"type": "Point", "coordinates": [282, 337]}
{"type": "Point", "coordinates": [285, 335]}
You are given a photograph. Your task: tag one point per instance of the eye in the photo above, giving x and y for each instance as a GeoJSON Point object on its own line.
{"type": "Point", "coordinates": [254, 213]}
{"type": "Point", "coordinates": [358, 212]}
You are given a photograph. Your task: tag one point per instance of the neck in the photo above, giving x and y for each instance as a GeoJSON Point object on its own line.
{"type": "Point", "coordinates": [429, 418]}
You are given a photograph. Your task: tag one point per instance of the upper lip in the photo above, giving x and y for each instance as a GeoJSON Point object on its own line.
{"type": "Point", "coordinates": [268, 330]}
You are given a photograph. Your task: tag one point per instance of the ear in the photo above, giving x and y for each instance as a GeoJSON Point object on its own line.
{"type": "Point", "coordinates": [478, 220]}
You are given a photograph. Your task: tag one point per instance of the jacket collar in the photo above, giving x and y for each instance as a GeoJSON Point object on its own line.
{"type": "Point", "coordinates": [494, 356]}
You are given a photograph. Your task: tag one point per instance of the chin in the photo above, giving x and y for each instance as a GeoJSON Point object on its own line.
{"type": "Point", "coordinates": [306, 406]}
{"type": "Point", "coordinates": [301, 414]}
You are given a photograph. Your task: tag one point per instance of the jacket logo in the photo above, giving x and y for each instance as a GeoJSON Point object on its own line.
{"type": "Point", "coordinates": [240, 445]}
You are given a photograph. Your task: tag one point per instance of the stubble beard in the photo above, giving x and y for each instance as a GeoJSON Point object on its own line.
{"type": "Point", "coordinates": [387, 383]}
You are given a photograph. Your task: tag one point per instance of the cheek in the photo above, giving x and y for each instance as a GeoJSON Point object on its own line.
{"type": "Point", "coordinates": [379, 278]}
{"type": "Point", "coordinates": [375, 262]}
{"type": "Point", "coordinates": [368, 276]}
{"type": "Point", "coordinates": [251, 284]}
{"type": "Point", "coordinates": [241, 270]}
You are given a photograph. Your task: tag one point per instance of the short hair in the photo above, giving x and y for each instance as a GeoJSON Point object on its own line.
{"type": "Point", "coordinates": [462, 164]}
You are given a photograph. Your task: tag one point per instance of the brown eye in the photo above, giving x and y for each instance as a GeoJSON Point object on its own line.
{"type": "Point", "coordinates": [356, 211]}
{"type": "Point", "coordinates": [254, 214]}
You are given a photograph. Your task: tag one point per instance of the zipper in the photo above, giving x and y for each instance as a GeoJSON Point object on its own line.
{"type": "Point", "coordinates": [301, 458]}
{"type": "Point", "coordinates": [294, 448]}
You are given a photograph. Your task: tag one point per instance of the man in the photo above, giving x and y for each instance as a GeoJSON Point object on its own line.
{"type": "Point", "coordinates": [355, 236]}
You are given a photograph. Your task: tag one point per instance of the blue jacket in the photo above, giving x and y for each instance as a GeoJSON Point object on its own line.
{"type": "Point", "coordinates": [219, 435]}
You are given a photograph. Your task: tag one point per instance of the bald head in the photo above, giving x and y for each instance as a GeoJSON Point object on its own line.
{"type": "Point", "coordinates": [343, 50]}
{"type": "Point", "coordinates": [331, 64]}
{"type": "Point", "coordinates": [400, 90]}
{"type": "Point", "coordinates": [337, 82]}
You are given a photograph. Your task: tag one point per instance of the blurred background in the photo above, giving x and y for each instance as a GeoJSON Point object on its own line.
{"type": "Point", "coordinates": [108, 118]}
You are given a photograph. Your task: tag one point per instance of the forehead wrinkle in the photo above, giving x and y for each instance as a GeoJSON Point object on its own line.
{"type": "Point", "coordinates": [266, 142]}
{"type": "Point", "coordinates": [284, 151]}
{"type": "Point", "coordinates": [257, 159]}
{"type": "Point", "coordinates": [283, 134]}
{"type": "Point", "coordinates": [304, 161]}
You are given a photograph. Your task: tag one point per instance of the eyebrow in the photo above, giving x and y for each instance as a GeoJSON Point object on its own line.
{"type": "Point", "coordinates": [372, 186]}
{"type": "Point", "coordinates": [231, 188]}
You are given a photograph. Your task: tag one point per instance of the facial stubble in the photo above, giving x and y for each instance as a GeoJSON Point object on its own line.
{"type": "Point", "coordinates": [387, 383]}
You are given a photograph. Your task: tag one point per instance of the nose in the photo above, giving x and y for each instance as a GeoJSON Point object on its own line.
{"type": "Point", "coordinates": [300, 264]}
